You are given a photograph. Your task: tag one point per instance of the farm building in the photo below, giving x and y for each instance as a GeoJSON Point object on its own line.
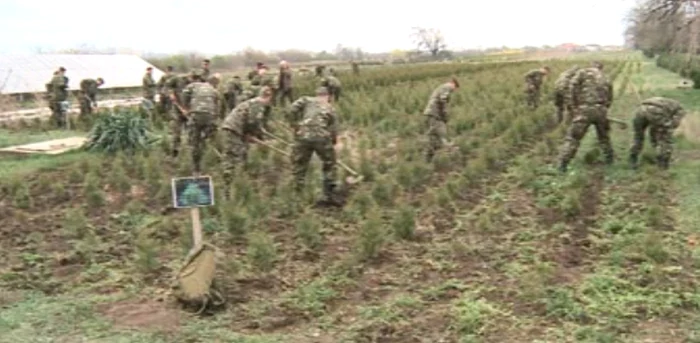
{"type": "Point", "coordinates": [22, 75]}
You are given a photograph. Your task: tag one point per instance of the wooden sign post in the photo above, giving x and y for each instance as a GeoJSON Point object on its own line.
{"type": "Point", "coordinates": [193, 192]}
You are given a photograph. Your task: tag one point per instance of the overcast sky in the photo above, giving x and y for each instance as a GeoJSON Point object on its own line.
{"type": "Point", "coordinates": [224, 26]}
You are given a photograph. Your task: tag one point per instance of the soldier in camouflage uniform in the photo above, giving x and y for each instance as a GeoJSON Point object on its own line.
{"type": "Point", "coordinates": [591, 98]}
{"type": "Point", "coordinates": [49, 91]}
{"type": "Point", "coordinates": [201, 101]}
{"type": "Point", "coordinates": [315, 126]}
{"type": "Point", "coordinates": [206, 72]}
{"type": "Point", "coordinates": [215, 81]}
{"type": "Point", "coordinates": [533, 83]}
{"type": "Point", "coordinates": [333, 85]}
{"type": "Point", "coordinates": [284, 92]}
{"type": "Point", "coordinates": [256, 84]}
{"type": "Point", "coordinates": [149, 88]}
{"type": "Point", "coordinates": [59, 94]}
{"type": "Point", "coordinates": [234, 88]}
{"type": "Point", "coordinates": [661, 116]}
{"type": "Point", "coordinates": [355, 68]}
{"type": "Point", "coordinates": [436, 112]}
{"type": "Point", "coordinates": [178, 121]}
{"type": "Point", "coordinates": [255, 71]}
{"type": "Point", "coordinates": [320, 69]}
{"type": "Point", "coordinates": [562, 98]}
{"type": "Point", "coordinates": [165, 103]}
{"type": "Point", "coordinates": [239, 127]}
{"type": "Point", "coordinates": [88, 95]}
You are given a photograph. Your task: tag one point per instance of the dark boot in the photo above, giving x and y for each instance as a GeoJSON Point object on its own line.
{"type": "Point", "coordinates": [663, 162]}
{"type": "Point", "coordinates": [634, 161]}
{"type": "Point", "coordinates": [329, 196]}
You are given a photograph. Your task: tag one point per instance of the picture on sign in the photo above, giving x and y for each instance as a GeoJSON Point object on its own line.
{"type": "Point", "coordinates": [194, 191]}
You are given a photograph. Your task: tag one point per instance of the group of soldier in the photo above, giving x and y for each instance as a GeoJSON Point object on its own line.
{"type": "Point", "coordinates": [57, 96]}
{"type": "Point", "coordinates": [195, 103]}
{"type": "Point", "coordinates": [582, 97]}
{"type": "Point", "coordinates": [585, 96]}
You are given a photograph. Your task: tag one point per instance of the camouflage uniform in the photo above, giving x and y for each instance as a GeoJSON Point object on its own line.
{"type": "Point", "coordinates": [661, 116]}
{"type": "Point", "coordinates": [59, 90]}
{"type": "Point", "coordinates": [562, 94]}
{"type": "Point", "coordinates": [176, 84]}
{"type": "Point", "coordinates": [591, 97]}
{"type": "Point", "coordinates": [247, 119]}
{"type": "Point", "coordinates": [533, 82]}
{"type": "Point", "coordinates": [333, 85]}
{"type": "Point", "coordinates": [355, 68]}
{"type": "Point", "coordinates": [234, 88]}
{"type": "Point", "coordinates": [49, 93]}
{"type": "Point", "coordinates": [258, 82]}
{"type": "Point", "coordinates": [165, 103]}
{"type": "Point", "coordinates": [436, 121]}
{"type": "Point", "coordinates": [202, 100]}
{"type": "Point", "coordinates": [88, 94]}
{"type": "Point", "coordinates": [285, 86]}
{"type": "Point", "coordinates": [315, 125]}
{"type": "Point", "coordinates": [319, 70]}
{"type": "Point", "coordinates": [149, 89]}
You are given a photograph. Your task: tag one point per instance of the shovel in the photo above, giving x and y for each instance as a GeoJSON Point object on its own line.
{"type": "Point", "coordinates": [354, 179]}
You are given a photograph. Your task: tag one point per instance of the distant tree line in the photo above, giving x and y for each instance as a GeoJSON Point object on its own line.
{"type": "Point", "coordinates": [670, 31]}
{"type": "Point", "coordinates": [664, 26]}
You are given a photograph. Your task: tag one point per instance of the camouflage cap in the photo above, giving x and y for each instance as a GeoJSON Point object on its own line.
{"type": "Point", "coordinates": [597, 64]}
{"type": "Point", "coordinates": [322, 91]}
{"type": "Point", "coordinates": [100, 80]}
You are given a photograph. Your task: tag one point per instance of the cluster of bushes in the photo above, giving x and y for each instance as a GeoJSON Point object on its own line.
{"type": "Point", "coordinates": [686, 65]}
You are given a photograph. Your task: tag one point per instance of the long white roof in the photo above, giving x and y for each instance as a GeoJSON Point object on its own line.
{"type": "Point", "coordinates": [30, 73]}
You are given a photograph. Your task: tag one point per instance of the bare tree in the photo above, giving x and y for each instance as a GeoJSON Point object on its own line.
{"type": "Point", "coordinates": [430, 40]}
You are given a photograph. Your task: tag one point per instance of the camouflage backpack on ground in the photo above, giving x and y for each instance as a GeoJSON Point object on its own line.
{"type": "Point", "coordinates": [195, 287]}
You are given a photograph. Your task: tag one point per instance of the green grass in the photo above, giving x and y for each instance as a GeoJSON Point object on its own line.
{"type": "Point", "coordinates": [13, 164]}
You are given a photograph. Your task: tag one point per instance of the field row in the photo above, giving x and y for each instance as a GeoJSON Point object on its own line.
{"type": "Point", "coordinates": [488, 243]}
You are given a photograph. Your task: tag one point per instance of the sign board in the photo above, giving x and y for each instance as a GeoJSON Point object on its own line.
{"type": "Point", "coordinates": [196, 191]}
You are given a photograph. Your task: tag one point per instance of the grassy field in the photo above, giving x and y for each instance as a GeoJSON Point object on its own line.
{"type": "Point", "coordinates": [487, 244]}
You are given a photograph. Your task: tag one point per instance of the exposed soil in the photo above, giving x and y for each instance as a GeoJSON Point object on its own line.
{"type": "Point", "coordinates": [143, 315]}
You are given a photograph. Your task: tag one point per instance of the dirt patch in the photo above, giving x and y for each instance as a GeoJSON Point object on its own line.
{"type": "Point", "coordinates": [658, 331]}
{"type": "Point", "coordinates": [8, 298]}
{"type": "Point", "coordinates": [143, 315]}
{"type": "Point", "coordinates": [574, 251]}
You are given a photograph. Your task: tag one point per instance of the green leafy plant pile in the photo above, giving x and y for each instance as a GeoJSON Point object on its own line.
{"type": "Point", "coordinates": [124, 131]}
